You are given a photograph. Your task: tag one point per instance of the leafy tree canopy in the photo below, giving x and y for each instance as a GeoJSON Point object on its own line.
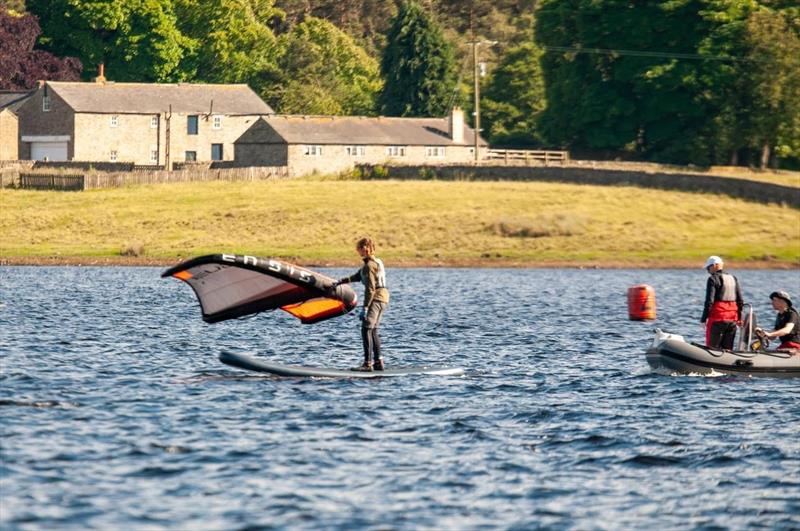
{"type": "Point", "coordinates": [20, 65]}
{"type": "Point", "coordinates": [323, 71]}
{"type": "Point", "coordinates": [137, 40]}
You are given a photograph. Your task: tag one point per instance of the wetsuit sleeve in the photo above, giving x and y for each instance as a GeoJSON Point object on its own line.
{"type": "Point", "coordinates": [711, 290]}
{"type": "Point", "coordinates": [355, 277]}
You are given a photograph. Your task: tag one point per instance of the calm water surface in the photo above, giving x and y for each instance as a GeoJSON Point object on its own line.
{"type": "Point", "coordinates": [116, 414]}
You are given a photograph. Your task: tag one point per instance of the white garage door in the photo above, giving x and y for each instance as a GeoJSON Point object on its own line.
{"type": "Point", "coordinates": [49, 150]}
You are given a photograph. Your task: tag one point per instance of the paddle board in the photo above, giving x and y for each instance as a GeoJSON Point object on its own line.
{"type": "Point", "coordinates": [252, 364]}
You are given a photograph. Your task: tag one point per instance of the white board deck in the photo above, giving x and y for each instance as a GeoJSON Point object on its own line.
{"type": "Point", "coordinates": [249, 363]}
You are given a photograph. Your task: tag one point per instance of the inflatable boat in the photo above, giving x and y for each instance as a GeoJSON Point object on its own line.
{"type": "Point", "coordinates": [671, 354]}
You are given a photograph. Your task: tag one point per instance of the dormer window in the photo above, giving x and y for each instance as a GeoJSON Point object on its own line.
{"type": "Point", "coordinates": [45, 103]}
{"type": "Point", "coordinates": [114, 121]}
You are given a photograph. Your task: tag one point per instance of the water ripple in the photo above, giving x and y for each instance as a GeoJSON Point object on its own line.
{"type": "Point", "coordinates": [116, 413]}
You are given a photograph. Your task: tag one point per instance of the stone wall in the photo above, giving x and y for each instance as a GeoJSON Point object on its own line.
{"type": "Point", "coordinates": [9, 140]}
{"type": "Point", "coordinates": [34, 121]}
{"type": "Point", "coordinates": [336, 159]}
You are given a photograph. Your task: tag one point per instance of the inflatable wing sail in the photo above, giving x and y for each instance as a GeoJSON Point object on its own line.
{"type": "Point", "coordinates": [230, 286]}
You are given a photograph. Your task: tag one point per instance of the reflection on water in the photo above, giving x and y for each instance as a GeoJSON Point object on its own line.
{"type": "Point", "coordinates": [116, 414]}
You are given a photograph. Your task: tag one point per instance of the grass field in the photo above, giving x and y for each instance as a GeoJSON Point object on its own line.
{"type": "Point", "coordinates": [415, 223]}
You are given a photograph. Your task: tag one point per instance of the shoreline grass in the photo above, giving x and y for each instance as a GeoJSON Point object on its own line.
{"type": "Point", "coordinates": [416, 223]}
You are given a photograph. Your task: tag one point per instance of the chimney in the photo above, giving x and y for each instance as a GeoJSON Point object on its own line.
{"type": "Point", "coordinates": [101, 74]}
{"type": "Point", "coordinates": [455, 125]}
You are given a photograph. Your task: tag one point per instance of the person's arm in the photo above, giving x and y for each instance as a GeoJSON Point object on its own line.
{"type": "Point", "coordinates": [787, 329]}
{"type": "Point", "coordinates": [355, 277]}
{"type": "Point", "coordinates": [739, 300]}
{"type": "Point", "coordinates": [710, 292]}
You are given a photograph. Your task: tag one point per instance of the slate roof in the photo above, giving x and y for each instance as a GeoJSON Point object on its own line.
{"type": "Point", "coordinates": [354, 130]}
{"type": "Point", "coordinates": [151, 98]}
{"type": "Point", "coordinates": [13, 100]}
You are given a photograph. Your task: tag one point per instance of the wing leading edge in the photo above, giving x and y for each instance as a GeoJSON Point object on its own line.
{"type": "Point", "coordinates": [230, 286]}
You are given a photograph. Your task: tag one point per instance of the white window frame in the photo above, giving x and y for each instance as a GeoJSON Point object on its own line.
{"type": "Point", "coordinates": [216, 122]}
{"type": "Point", "coordinates": [356, 151]}
{"type": "Point", "coordinates": [154, 155]}
{"type": "Point", "coordinates": [46, 104]}
{"type": "Point", "coordinates": [438, 152]}
{"type": "Point", "coordinates": [312, 150]}
{"type": "Point", "coordinates": [114, 120]}
{"type": "Point", "coordinates": [113, 156]}
{"type": "Point", "coordinates": [153, 122]}
{"type": "Point", "coordinates": [396, 151]}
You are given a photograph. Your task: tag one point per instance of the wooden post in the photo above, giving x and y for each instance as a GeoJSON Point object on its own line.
{"type": "Point", "coordinates": [167, 156]}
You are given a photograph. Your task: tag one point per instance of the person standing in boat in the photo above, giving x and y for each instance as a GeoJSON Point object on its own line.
{"type": "Point", "coordinates": [723, 306]}
{"type": "Point", "coordinates": [376, 298]}
{"type": "Point", "coordinates": [787, 322]}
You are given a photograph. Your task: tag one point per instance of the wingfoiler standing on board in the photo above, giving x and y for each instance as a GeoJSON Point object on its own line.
{"type": "Point", "coordinates": [376, 299]}
{"type": "Point", "coordinates": [230, 286]}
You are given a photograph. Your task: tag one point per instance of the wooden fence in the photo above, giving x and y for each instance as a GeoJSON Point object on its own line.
{"type": "Point", "coordinates": [75, 181]}
{"type": "Point", "coordinates": [525, 157]}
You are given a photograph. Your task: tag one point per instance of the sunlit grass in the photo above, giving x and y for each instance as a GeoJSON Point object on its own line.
{"type": "Point", "coordinates": [416, 222]}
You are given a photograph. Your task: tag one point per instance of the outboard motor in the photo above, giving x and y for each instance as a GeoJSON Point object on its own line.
{"type": "Point", "coordinates": [748, 340]}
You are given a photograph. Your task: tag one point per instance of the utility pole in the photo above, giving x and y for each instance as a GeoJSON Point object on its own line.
{"type": "Point", "coordinates": [167, 157]}
{"type": "Point", "coordinates": [477, 91]}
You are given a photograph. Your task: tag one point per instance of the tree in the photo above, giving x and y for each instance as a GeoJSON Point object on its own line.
{"type": "Point", "coordinates": [757, 97]}
{"type": "Point", "coordinates": [137, 40]}
{"type": "Point", "coordinates": [640, 93]}
{"type": "Point", "coordinates": [323, 71]}
{"type": "Point", "coordinates": [514, 97]}
{"type": "Point", "coordinates": [417, 65]}
{"type": "Point", "coordinates": [234, 42]}
{"type": "Point", "coordinates": [20, 65]}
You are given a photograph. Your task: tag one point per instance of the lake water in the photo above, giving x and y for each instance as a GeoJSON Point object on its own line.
{"type": "Point", "coordinates": [116, 414]}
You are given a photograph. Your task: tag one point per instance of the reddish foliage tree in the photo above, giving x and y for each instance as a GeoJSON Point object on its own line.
{"type": "Point", "coordinates": [20, 65]}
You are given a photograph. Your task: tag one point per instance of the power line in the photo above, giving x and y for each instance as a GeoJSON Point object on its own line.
{"type": "Point", "coordinates": [661, 55]}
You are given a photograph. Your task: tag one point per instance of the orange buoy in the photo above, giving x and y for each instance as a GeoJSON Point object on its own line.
{"type": "Point", "coordinates": [641, 303]}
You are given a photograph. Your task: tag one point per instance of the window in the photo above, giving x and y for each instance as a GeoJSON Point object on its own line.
{"type": "Point", "coordinates": [113, 156]}
{"type": "Point", "coordinates": [216, 151]}
{"type": "Point", "coordinates": [434, 151]}
{"type": "Point", "coordinates": [396, 151]}
{"type": "Point", "coordinates": [45, 103]}
{"type": "Point", "coordinates": [154, 122]}
{"type": "Point", "coordinates": [153, 155]}
{"type": "Point", "coordinates": [192, 123]}
{"type": "Point", "coordinates": [114, 122]}
{"type": "Point", "coordinates": [355, 151]}
{"type": "Point", "coordinates": [312, 151]}
{"type": "Point", "coordinates": [191, 156]}
{"type": "Point", "coordinates": [217, 122]}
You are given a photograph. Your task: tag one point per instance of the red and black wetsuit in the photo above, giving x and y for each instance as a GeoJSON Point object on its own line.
{"type": "Point", "coordinates": [792, 339]}
{"type": "Point", "coordinates": [723, 307]}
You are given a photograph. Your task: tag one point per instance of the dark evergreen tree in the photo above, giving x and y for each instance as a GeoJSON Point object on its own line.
{"type": "Point", "coordinates": [418, 66]}
{"type": "Point", "coordinates": [21, 66]}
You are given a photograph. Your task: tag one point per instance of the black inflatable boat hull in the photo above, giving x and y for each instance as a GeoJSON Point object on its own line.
{"type": "Point", "coordinates": [671, 354]}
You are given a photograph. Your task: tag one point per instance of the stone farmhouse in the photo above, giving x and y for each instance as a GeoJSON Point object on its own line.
{"type": "Point", "coordinates": [142, 123]}
{"type": "Point", "coordinates": [331, 144]}
{"type": "Point", "coordinates": [10, 102]}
